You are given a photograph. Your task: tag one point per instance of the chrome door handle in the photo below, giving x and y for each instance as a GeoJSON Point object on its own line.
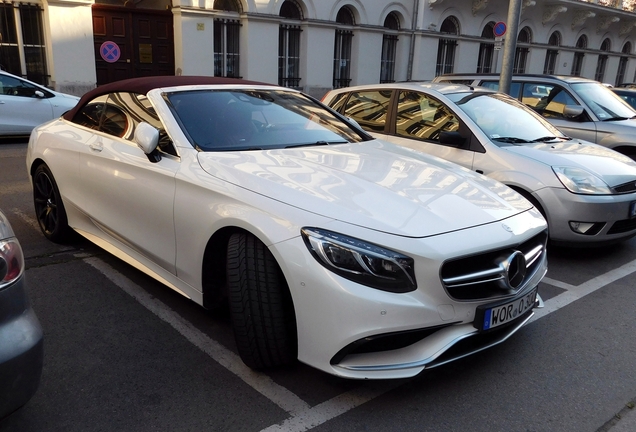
{"type": "Point", "coordinates": [97, 146]}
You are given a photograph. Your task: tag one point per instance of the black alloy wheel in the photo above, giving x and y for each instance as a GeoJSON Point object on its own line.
{"type": "Point", "coordinates": [49, 209]}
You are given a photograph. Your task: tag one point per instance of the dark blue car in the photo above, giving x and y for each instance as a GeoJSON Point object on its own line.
{"type": "Point", "coordinates": [20, 331]}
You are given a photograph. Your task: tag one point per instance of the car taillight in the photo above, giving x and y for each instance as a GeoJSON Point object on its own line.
{"type": "Point", "coordinates": [11, 261]}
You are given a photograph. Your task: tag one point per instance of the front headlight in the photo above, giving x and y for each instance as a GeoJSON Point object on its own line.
{"type": "Point", "coordinates": [361, 262]}
{"type": "Point", "coordinates": [579, 181]}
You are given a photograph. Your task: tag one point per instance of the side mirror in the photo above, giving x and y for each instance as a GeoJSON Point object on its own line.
{"type": "Point", "coordinates": [39, 93]}
{"type": "Point", "coordinates": [147, 139]}
{"type": "Point", "coordinates": [572, 111]}
{"type": "Point", "coordinates": [452, 139]}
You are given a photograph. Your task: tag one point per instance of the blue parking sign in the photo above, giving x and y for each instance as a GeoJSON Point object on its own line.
{"type": "Point", "coordinates": [110, 51]}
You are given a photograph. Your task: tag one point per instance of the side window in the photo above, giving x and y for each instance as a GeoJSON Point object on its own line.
{"type": "Point", "coordinates": [552, 101]}
{"type": "Point", "coordinates": [422, 117]}
{"type": "Point", "coordinates": [369, 109]}
{"type": "Point", "coordinates": [114, 121]}
{"type": "Point", "coordinates": [10, 86]}
{"type": "Point", "coordinates": [515, 87]}
{"type": "Point", "coordinates": [91, 114]}
{"type": "Point", "coordinates": [136, 108]}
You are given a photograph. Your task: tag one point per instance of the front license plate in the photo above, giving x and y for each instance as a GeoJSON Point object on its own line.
{"type": "Point", "coordinates": [632, 210]}
{"type": "Point", "coordinates": [496, 316]}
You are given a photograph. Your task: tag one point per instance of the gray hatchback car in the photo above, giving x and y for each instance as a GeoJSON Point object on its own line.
{"type": "Point", "coordinates": [580, 107]}
{"type": "Point", "coordinates": [20, 331]}
{"type": "Point", "coordinates": [586, 192]}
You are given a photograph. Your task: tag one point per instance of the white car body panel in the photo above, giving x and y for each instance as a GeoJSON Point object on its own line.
{"type": "Point", "coordinates": [19, 114]}
{"type": "Point", "coordinates": [160, 217]}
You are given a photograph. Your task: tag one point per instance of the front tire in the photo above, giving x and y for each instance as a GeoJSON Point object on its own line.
{"type": "Point", "coordinates": [49, 209]}
{"type": "Point", "coordinates": [260, 305]}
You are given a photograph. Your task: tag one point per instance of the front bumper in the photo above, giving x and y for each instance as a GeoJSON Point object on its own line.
{"type": "Point", "coordinates": [611, 211]}
{"type": "Point", "coordinates": [21, 349]}
{"type": "Point", "coordinates": [333, 313]}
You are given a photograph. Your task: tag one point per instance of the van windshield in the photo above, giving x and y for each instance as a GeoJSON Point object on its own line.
{"type": "Point", "coordinates": [605, 104]}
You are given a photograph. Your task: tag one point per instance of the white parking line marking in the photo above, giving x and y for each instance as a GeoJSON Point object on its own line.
{"type": "Point", "coordinates": [260, 382]}
{"type": "Point", "coordinates": [333, 407]}
{"type": "Point", "coordinates": [575, 293]}
{"type": "Point", "coordinates": [303, 417]}
{"type": "Point", "coordinates": [26, 218]}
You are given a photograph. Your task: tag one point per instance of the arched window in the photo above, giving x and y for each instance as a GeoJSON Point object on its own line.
{"type": "Point", "coordinates": [290, 9]}
{"type": "Point", "coordinates": [549, 66]}
{"type": "Point", "coordinates": [521, 53]}
{"type": "Point", "coordinates": [389, 48]}
{"type": "Point", "coordinates": [577, 63]}
{"type": "Point", "coordinates": [599, 75]}
{"type": "Point", "coordinates": [345, 16]}
{"type": "Point", "coordinates": [342, 49]}
{"type": "Point", "coordinates": [226, 40]}
{"type": "Point", "coordinates": [446, 47]}
{"type": "Point", "coordinates": [227, 5]}
{"type": "Point", "coordinates": [622, 63]}
{"type": "Point", "coordinates": [289, 46]}
{"type": "Point", "coordinates": [486, 49]}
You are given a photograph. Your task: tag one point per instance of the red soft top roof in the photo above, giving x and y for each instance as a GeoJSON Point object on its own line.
{"type": "Point", "coordinates": [144, 84]}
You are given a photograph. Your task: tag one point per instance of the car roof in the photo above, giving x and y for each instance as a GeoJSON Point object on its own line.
{"type": "Point", "coordinates": [442, 88]}
{"type": "Point", "coordinates": [143, 85]}
{"type": "Point", "coordinates": [564, 78]}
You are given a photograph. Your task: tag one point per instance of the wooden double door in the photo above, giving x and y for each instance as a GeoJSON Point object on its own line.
{"type": "Point", "coordinates": [132, 43]}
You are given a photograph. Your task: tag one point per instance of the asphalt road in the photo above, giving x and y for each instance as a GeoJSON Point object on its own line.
{"type": "Point", "coordinates": [124, 353]}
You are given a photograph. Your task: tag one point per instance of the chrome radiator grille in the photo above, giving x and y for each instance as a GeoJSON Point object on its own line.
{"type": "Point", "coordinates": [494, 274]}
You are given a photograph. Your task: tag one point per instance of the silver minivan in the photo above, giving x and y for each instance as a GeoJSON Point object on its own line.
{"type": "Point", "coordinates": [582, 108]}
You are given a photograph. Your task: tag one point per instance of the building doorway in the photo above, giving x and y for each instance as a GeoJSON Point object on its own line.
{"type": "Point", "coordinates": [132, 43]}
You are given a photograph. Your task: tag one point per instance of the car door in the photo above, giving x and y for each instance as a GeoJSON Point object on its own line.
{"type": "Point", "coordinates": [20, 108]}
{"type": "Point", "coordinates": [128, 197]}
{"type": "Point", "coordinates": [420, 119]}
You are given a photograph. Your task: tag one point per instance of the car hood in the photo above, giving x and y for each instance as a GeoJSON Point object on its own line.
{"type": "Point", "coordinates": [614, 168]}
{"type": "Point", "coordinates": [372, 184]}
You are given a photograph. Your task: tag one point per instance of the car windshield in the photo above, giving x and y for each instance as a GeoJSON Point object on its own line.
{"type": "Point", "coordinates": [257, 119]}
{"type": "Point", "coordinates": [505, 120]}
{"type": "Point", "coordinates": [603, 102]}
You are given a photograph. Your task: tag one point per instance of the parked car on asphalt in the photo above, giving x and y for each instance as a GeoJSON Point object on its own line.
{"type": "Point", "coordinates": [586, 192]}
{"type": "Point", "coordinates": [25, 104]}
{"type": "Point", "coordinates": [21, 337]}
{"type": "Point", "coordinates": [628, 94]}
{"type": "Point", "coordinates": [581, 108]}
{"type": "Point", "coordinates": [355, 256]}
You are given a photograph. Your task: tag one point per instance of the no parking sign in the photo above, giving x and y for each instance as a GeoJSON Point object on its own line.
{"type": "Point", "coordinates": [110, 51]}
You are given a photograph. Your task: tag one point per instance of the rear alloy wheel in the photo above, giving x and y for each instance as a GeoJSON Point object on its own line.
{"type": "Point", "coordinates": [49, 209]}
{"type": "Point", "coordinates": [260, 305]}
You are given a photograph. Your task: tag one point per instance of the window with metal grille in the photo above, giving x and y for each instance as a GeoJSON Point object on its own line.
{"type": "Point", "coordinates": [226, 48]}
{"type": "Point", "coordinates": [577, 63]}
{"type": "Point", "coordinates": [25, 56]}
{"type": "Point", "coordinates": [486, 49]}
{"type": "Point", "coordinates": [521, 53]}
{"type": "Point", "coordinates": [387, 67]}
{"type": "Point", "coordinates": [622, 63]}
{"type": "Point", "coordinates": [446, 47]}
{"type": "Point", "coordinates": [289, 56]}
{"type": "Point", "coordinates": [342, 59]}
{"type": "Point", "coordinates": [549, 66]}
{"type": "Point", "coordinates": [389, 48]}
{"type": "Point", "coordinates": [602, 61]}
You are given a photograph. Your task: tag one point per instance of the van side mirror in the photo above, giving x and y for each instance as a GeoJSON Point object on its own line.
{"type": "Point", "coordinates": [572, 111]}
